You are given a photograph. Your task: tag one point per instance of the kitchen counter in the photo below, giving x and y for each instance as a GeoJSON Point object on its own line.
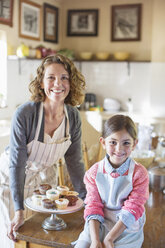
{"type": "Point", "coordinates": [97, 118]}
{"type": "Point", "coordinates": [32, 235]}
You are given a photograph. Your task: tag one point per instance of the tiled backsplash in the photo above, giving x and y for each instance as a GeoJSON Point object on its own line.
{"type": "Point", "coordinates": [141, 81]}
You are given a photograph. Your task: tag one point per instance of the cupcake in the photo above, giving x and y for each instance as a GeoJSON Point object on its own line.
{"type": "Point", "coordinates": [73, 193]}
{"type": "Point", "coordinates": [43, 188]}
{"type": "Point", "coordinates": [72, 199]}
{"type": "Point", "coordinates": [46, 203]}
{"type": "Point", "coordinates": [62, 189]}
{"type": "Point", "coordinates": [36, 192]}
{"type": "Point", "coordinates": [37, 199]}
{"type": "Point", "coordinates": [62, 203]}
{"type": "Point", "coordinates": [52, 194]}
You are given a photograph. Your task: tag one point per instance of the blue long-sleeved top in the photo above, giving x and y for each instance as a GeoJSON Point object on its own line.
{"type": "Point", "coordinates": [23, 128]}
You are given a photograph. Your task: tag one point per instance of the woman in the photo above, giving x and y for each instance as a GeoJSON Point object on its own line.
{"type": "Point", "coordinates": [43, 131]}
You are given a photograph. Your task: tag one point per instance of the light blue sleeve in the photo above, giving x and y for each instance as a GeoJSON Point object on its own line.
{"type": "Point", "coordinates": [127, 218]}
{"type": "Point", "coordinates": [95, 217]}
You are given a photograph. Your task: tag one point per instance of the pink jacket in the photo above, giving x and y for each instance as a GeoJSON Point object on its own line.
{"type": "Point", "coordinates": [135, 201]}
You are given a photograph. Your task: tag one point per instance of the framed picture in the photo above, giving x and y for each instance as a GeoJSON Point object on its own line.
{"type": "Point", "coordinates": [50, 23]}
{"type": "Point", "coordinates": [6, 12]}
{"type": "Point", "coordinates": [30, 20]}
{"type": "Point", "coordinates": [82, 22]}
{"type": "Point", "coordinates": [126, 22]}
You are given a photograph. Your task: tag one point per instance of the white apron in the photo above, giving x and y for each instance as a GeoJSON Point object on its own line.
{"type": "Point", "coordinates": [40, 168]}
{"type": "Point", "coordinates": [113, 192]}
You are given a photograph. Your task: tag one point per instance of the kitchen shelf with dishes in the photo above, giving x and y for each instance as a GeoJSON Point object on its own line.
{"type": "Point", "coordinates": [15, 57]}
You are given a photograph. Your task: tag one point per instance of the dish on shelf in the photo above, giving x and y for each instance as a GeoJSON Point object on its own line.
{"type": "Point", "coordinates": [86, 55]}
{"type": "Point", "coordinates": [102, 55]}
{"type": "Point", "coordinates": [121, 56]}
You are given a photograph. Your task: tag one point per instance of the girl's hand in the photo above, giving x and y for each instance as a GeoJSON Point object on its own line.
{"type": "Point", "coordinates": [107, 243]}
{"type": "Point", "coordinates": [96, 244]}
{"type": "Point", "coordinates": [17, 221]}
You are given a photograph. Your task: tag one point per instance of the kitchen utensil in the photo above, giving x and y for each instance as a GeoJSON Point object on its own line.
{"type": "Point", "coordinates": [144, 157]}
{"type": "Point", "coordinates": [90, 100]}
{"type": "Point", "coordinates": [157, 178]}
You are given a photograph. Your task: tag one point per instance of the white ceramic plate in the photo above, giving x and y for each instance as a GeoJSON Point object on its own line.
{"type": "Point", "coordinates": [70, 209]}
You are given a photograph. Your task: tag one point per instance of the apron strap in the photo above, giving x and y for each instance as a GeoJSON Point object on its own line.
{"type": "Point", "coordinates": [39, 121]}
{"type": "Point", "coordinates": [131, 169]}
{"type": "Point", "coordinates": [67, 124]}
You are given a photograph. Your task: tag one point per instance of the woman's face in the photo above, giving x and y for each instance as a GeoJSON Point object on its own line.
{"type": "Point", "coordinates": [118, 146]}
{"type": "Point", "coordinates": [56, 83]}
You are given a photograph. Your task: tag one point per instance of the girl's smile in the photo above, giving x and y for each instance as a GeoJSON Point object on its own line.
{"type": "Point", "coordinates": [118, 146]}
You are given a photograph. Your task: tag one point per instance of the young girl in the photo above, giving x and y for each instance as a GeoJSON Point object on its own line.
{"type": "Point", "coordinates": [117, 189]}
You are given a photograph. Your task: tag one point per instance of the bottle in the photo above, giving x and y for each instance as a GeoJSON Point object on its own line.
{"type": "Point", "coordinates": [130, 105]}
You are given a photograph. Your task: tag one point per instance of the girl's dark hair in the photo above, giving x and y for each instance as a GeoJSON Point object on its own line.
{"type": "Point", "coordinates": [76, 79]}
{"type": "Point", "coordinates": [117, 123]}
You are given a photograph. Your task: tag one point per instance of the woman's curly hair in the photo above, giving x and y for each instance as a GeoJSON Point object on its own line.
{"type": "Point", "coordinates": [76, 79]}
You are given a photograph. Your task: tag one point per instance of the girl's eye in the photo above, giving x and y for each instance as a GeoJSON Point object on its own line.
{"type": "Point", "coordinates": [126, 143]}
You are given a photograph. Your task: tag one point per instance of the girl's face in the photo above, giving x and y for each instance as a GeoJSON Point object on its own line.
{"type": "Point", "coordinates": [118, 146]}
{"type": "Point", "coordinates": [56, 83]}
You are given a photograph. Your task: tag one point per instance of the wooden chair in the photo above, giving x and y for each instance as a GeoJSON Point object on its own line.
{"type": "Point", "coordinates": [86, 156]}
{"type": "Point", "coordinates": [86, 162]}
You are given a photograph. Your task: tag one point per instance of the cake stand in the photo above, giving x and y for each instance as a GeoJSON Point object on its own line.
{"type": "Point", "coordinates": [54, 222]}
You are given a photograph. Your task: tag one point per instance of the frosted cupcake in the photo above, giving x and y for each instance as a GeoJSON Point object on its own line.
{"type": "Point", "coordinates": [62, 189]}
{"type": "Point", "coordinates": [72, 193]}
{"type": "Point", "coordinates": [62, 203]}
{"type": "Point", "coordinates": [37, 199]}
{"type": "Point", "coordinates": [52, 194]}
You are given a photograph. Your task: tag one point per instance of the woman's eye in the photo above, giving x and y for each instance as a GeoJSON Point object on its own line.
{"type": "Point", "coordinates": [65, 78]}
{"type": "Point", "coordinates": [50, 77]}
{"type": "Point", "coordinates": [112, 142]}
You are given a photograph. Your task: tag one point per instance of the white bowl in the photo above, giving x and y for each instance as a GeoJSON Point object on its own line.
{"type": "Point", "coordinates": [145, 157]}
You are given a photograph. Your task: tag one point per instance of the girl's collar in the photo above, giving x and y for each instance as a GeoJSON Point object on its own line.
{"type": "Point", "coordinates": [121, 170]}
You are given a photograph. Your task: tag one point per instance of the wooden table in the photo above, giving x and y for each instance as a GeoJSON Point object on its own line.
{"type": "Point", "coordinates": [154, 229]}
{"type": "Point", "coordinates": [32, 235]}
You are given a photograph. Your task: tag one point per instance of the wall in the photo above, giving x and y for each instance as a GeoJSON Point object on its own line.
{"type": "Point", "coordinates": [140, 50]}
{"type": "Point", "coordinates": [158, 34]}
{"type": "Point", "coordinates": [13, 32]}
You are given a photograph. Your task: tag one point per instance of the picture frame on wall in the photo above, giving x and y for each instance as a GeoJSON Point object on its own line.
{"type": "Point", "coordinates": [82, 22]}
{"type": "Point", "coordinates": [30, 20]}
{"type": "Point", "coordinates": [50, 23]}
{"type": "Point", "coordinates": [126, 22]}
{"type": "Point", "coordinates": [6, 12]}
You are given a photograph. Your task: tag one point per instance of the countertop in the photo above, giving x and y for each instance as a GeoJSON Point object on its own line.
{"type": "Point", "coordinates": [32, 231]}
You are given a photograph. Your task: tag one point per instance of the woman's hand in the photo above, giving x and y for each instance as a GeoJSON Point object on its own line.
{"type": "Point", "coordinates": [96, 244]}
{"type": "Point", "coordinates": [17, 221]}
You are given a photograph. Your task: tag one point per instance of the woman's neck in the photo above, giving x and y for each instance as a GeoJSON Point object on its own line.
{"type": "Point", "coordinates": [53, 111]}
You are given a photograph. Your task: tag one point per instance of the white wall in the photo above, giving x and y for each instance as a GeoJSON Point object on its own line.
{"type": "Point", "coordinates": [143, 82]}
